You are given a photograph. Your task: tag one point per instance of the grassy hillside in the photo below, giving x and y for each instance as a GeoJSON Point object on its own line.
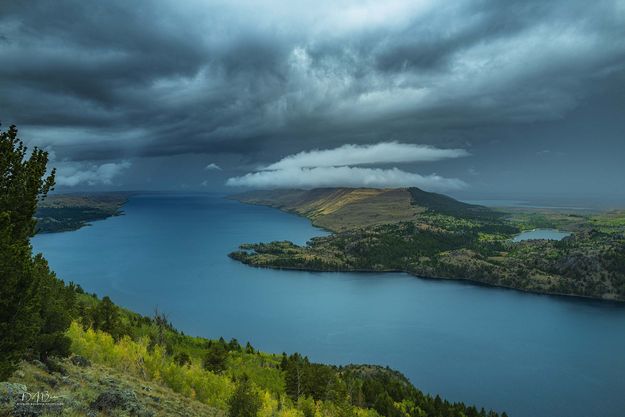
{"type": "Point", "coordinates": [124, 364]}
{"type": "Point", "coordinates": [339, 209]}
{"type": "Point", "coordinates": [88, 388]}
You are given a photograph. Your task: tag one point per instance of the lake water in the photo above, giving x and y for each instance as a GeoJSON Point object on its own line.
{"type": "Point", "coordinates": [529, 355]}
{"type": "Point", "coordinates": [549, 234]}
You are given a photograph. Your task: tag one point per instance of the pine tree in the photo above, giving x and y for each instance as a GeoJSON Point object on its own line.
{"type": "Point", "coordinates": [106, 317]}
{"type": "Point", "coordinates": [234, 346]}
{"type": "Point", "coordinates": [19, 299]}
{"type": "Point", "coordinates": [56, 305]}
{"type": "Point", "coordinates": [23, 183]}
{"type": "Point", "coordinates": [215, 358]}
{"type": "Point", "coordinates": [295, 375]}
{"type": "Point", "coordinates": [244, 401]}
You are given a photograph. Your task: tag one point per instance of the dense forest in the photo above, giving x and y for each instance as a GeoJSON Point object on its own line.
{"type": "Point", "coordinates": [55, 335]}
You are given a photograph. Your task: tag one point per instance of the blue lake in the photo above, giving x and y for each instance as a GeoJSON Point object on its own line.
{"type": "Point", "coordinates": [549, 234]}
{"type": "Point", "coordinates": [529, 355]}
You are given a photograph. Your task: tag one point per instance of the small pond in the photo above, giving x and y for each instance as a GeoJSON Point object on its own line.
{"type": "Point", "coordinates": [551, 234]}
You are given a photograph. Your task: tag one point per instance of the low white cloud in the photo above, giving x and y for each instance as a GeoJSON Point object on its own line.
{"type": "Point", "coordinates": [70, 174]}
{"type": "Point", "coordinates": [379, 153]}
{"type": "Point", "coordinates": [340, 167]}
{"type": "Point", "coordinates": [344, 176]}
{"type": "Point", "coordinates": [212, 167]}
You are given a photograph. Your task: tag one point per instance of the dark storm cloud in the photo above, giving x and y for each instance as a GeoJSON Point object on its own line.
{"type": "Point", "coordinates": [422, 47]}
{"type": "Point", "coordinates": [118, 79]}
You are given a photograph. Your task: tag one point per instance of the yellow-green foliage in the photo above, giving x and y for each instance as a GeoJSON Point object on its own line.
{"type": "Point", "coordinates": [290, 412]}
{"type": "Point", "coordinates": [261, 368]}
{"type": "Point", "coordinates": [193, 381]}
{"type": "Point", "coordinates": [269, 405]}
{"type": "Point", "coordinates": [366, 412]}
{"type": "Point", "coordinates": [610, 222]}
{"type": "Point", "coordinates": [134, 357]}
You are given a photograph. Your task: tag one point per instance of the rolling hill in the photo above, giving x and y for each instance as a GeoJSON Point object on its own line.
{"type": "Point", "coordinates": [339, 209]}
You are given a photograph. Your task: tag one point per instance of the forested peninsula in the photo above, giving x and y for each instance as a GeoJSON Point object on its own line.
{"type": "Point", "coordinates": [66, 212]}
{"type": "Point", "coordinates": [435, 236]}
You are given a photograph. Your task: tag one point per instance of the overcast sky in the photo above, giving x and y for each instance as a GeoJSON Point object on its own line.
{"type": "Point", "coordinates": [472, 96]}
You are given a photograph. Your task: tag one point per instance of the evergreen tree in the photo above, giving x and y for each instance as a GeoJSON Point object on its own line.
{"type": "Point", "coordinates": [215, 358]}
{"type": "Point", "coordinates": [23, 182]}
{"type": "Point", "coordinates": [56, 305]}
{"type": "Point", "coordinates": [234, 345]}
{"type": "Point", "coordinates": [307, 406]}
{"type": "Point", "coordinates": [294, 375]}
{"type": "Point", "coordinates": [244, 401]}
{"type": "Point", "coordinates": [160, 319]}
{"type": "Point", "coordinates": [182, 359]}
{"type": "Point", "coordinates": [385, 406]}
{"type": "Point", "coordinates": [106, 317]}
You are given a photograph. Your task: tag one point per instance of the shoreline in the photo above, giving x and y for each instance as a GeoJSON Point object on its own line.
{"type": "Point", "coordinates": [70, 212]}
{"type": "Point", "coordinates": [467, 281]}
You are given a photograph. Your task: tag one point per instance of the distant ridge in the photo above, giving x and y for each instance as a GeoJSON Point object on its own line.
{"type": "Point", "coordinates": [444, 204]}
{"type": "Point", "coordinates": [342, 208]}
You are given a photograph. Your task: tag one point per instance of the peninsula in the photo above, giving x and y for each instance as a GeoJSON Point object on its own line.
{"type": "Point", "coordinates": [66, 212]}
{"type": "Point", "coordinates": [435, 236]}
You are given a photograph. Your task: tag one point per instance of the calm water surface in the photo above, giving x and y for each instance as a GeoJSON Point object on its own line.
{"type": "Point", "coordinates": [527, 354]}
{"type": "Point", "coordinates": [549, 234]}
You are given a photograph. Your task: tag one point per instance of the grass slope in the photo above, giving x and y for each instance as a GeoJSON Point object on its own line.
{"type": "Point", "coordinates": [150, 369]}
{"type": "Point", "coordinates": [78, 387]}
{"type": "Point", "coordinates": [339, 209]}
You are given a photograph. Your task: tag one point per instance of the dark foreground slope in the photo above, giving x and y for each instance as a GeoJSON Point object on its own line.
{"type": "Point", "coordinates": [123, 364]}
{"type": "Point", "coordinates": [435, 236]}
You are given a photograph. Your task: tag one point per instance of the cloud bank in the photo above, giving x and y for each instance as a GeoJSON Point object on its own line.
{"type": "Point", "coordinates": [73, 174]}
{"type": "Point", "coordinates": [246, 77]}
{"type": "Point", "coordinates": [176, 85]}
{"type": "Point", "coordinates": [335, 168]}
{"type": "Point", "coordinates": [344, 176]}
{"type": "Point", "coordinates": [379, 153]}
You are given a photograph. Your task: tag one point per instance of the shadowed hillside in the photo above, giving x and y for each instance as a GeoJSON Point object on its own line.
{"type": "Point", "coordinates": [446, 205]}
